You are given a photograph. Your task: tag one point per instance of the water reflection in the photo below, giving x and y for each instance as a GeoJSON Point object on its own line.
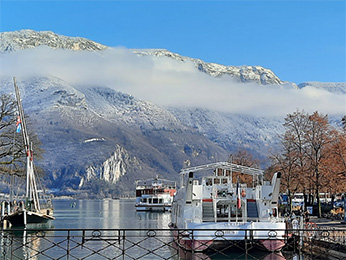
{"type": "Point", "coordinates": [22, 244]}
{"type": "Point", "coordinates": [105, 214]}
{"type": "Point", "coordinates": [153, 219]}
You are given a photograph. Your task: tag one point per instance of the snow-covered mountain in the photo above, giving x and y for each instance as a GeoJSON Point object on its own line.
{"type": "Point", "coordinates": [99, 133]}
{"type": "Point", "coordinates": [256, 74]}
{"type": "Point", "coordinates": [19, 40]}
{"type": "Point", "coordinates": [334, 87]}
{"type": "Point", "coordinates": [24, 39]}
{"type": "Point", "coordinates": [94, 132]}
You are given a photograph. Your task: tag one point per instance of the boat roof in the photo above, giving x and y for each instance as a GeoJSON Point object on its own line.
{"type": "Point", "coordinates": [154, 180]}
{"type": "Point", "coordinates": [224, 165]}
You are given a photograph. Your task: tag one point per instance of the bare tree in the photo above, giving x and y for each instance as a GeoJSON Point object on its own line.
{"type": "Point", "coordinates": [10, 143]}
{"type": "Point", "coordinates": [335, 164]}
{"type": "Point", "coordinates": [296, 125]}
{"type": "Point", "coordinates": [287, 163]}
{"type": "Point", "coordinates": [12, 152]}
{"type": "Point", "coordinates": [243, 157]}
{"type": "Point", "coordinates": [320, 138]}
{"type": "Point", "coordinates": [311, 155]}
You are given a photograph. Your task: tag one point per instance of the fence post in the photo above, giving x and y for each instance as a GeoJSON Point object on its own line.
{"type": "Point", "coordinates": [83, 238]}
{"type": "Point", "coordinates": [246, 249]}
{"type": "Point", "coordinates": [123, 249]}
{"type": "Point", "coordinates": [68, 245]}
{"type": "Point", "coordinates": [193, 244]}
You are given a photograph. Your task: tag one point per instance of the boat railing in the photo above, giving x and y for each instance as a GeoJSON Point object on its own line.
{"type": "Point", "coordinates": [224, 165]}
{"type": "Point", "coordinates": [9, 207]}
{"type": "Point", "coordinates": [141, 187]}
{"type": "Point", "coordinates": [141, 203]}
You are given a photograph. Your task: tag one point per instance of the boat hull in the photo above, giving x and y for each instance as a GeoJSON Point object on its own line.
{"type": "Point", "coordinates": [194, 245]}
{"type": "Point", "coordinates": [158, 208]}
{"type": "Point", "coordinates": [182, 239]}
{"type": "Point", "coordinates": [201, 237]}
{"type": "Point", "coordinates": [273, 245]}
{"type": "Point", "coordinates": [17, 219]}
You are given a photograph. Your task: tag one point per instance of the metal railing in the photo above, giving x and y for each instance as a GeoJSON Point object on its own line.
{"type": "Point", "coordinates": [150, 244]}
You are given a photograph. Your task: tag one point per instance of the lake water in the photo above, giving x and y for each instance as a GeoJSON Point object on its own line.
{"type": "Point", "coordinates": [93, 244]}
{"type": "Point", "coordinates": [106, 214]}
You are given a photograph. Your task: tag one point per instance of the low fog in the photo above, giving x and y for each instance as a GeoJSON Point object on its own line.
{"type": "Point", "coordinates": [166, 82]}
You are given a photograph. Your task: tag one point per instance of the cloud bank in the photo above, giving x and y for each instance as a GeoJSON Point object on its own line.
{"type": "Point", "coordinates": [167, 82]}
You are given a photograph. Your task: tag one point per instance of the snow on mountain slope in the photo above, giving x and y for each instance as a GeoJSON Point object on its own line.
{"type": "Point", "coordinates": [23, 39]}
{"type": "Point", "coordinates": [96, 132]}
{"type": "Point", "coordinates": [45, 93]}
{"type": "Point", "coordinates": [259, 135]}
{"type": "Point", "coordinates": [18, 40]}
{"type": "Point", "coordinates": [242, 73]}
{"type": "Point", "coordinates": [333, 87]}
{"type": "Point", "coordinates": [116, 106]}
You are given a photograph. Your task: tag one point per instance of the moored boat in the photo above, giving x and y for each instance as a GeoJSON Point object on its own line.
{"type": "Point", "coordinates": [218, 209]}
{"type": "Point", "coordinates": [154, 194]}
{"type": "Point", "coordinates": [34, 207]}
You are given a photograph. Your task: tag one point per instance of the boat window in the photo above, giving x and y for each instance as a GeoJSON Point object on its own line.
{"type": "Point", "coordinates": [149, 200]}
{"type": "Point", "coordinates": [209, 182]}
{"type": "Point", "coordinates": [160, 200]}
{"type": "Point", "coordinates": [228, 210]}
{"type": "Point", "coordinates": [224, 181]}
{"type": "Point", "coordinates": [219, 172]}
{"type": "Point", "coordinates": [155, 200]}
{"type": "Point", "coordinates": [216, 181]}
{"type": "Point", "coordinates": [222, 211]}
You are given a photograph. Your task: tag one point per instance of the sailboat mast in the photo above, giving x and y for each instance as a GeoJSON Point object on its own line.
{"type": "Point", "coordinates": [25, 137]}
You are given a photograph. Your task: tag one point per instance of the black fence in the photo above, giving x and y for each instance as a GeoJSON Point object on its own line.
{"type": "Point", "coordinates": [168, 244]}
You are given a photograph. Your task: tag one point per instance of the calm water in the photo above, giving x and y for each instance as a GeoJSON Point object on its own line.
{"type": "Point", "coordinates": [106, 214]}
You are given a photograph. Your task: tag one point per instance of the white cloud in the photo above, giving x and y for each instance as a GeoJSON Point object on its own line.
{"type": "Point", "coordinates": [166, 82]}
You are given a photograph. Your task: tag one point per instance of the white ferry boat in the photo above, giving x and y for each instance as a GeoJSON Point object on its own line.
{"type": "Point", "coordinates": [216, 211]}
{"type": "Point", "coordinates": [154, 194]}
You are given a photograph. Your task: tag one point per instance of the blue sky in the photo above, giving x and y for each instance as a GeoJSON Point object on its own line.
{"type": "Point", "coordinates": [298, 40]}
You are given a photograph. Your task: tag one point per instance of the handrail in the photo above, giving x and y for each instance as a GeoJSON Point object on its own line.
{"type": "Point", "coordinates": [224, 165]}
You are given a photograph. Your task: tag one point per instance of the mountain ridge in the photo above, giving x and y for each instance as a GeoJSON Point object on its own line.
{"type": "Point", "coordinates": [23, 39]}
{"type": "Point", "coordinates": [19, 40]}
{"type": "Point", "coordinates": [96, 133]}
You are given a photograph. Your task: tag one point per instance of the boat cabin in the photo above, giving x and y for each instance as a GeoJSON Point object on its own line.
{"type": "Point", "coordinates": [222, 198]}
{"type": "Point", "coordinates": [154, 194]}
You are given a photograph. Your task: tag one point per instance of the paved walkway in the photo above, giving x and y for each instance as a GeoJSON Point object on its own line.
{"type": "Point", "coordinates": [324, 222]}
